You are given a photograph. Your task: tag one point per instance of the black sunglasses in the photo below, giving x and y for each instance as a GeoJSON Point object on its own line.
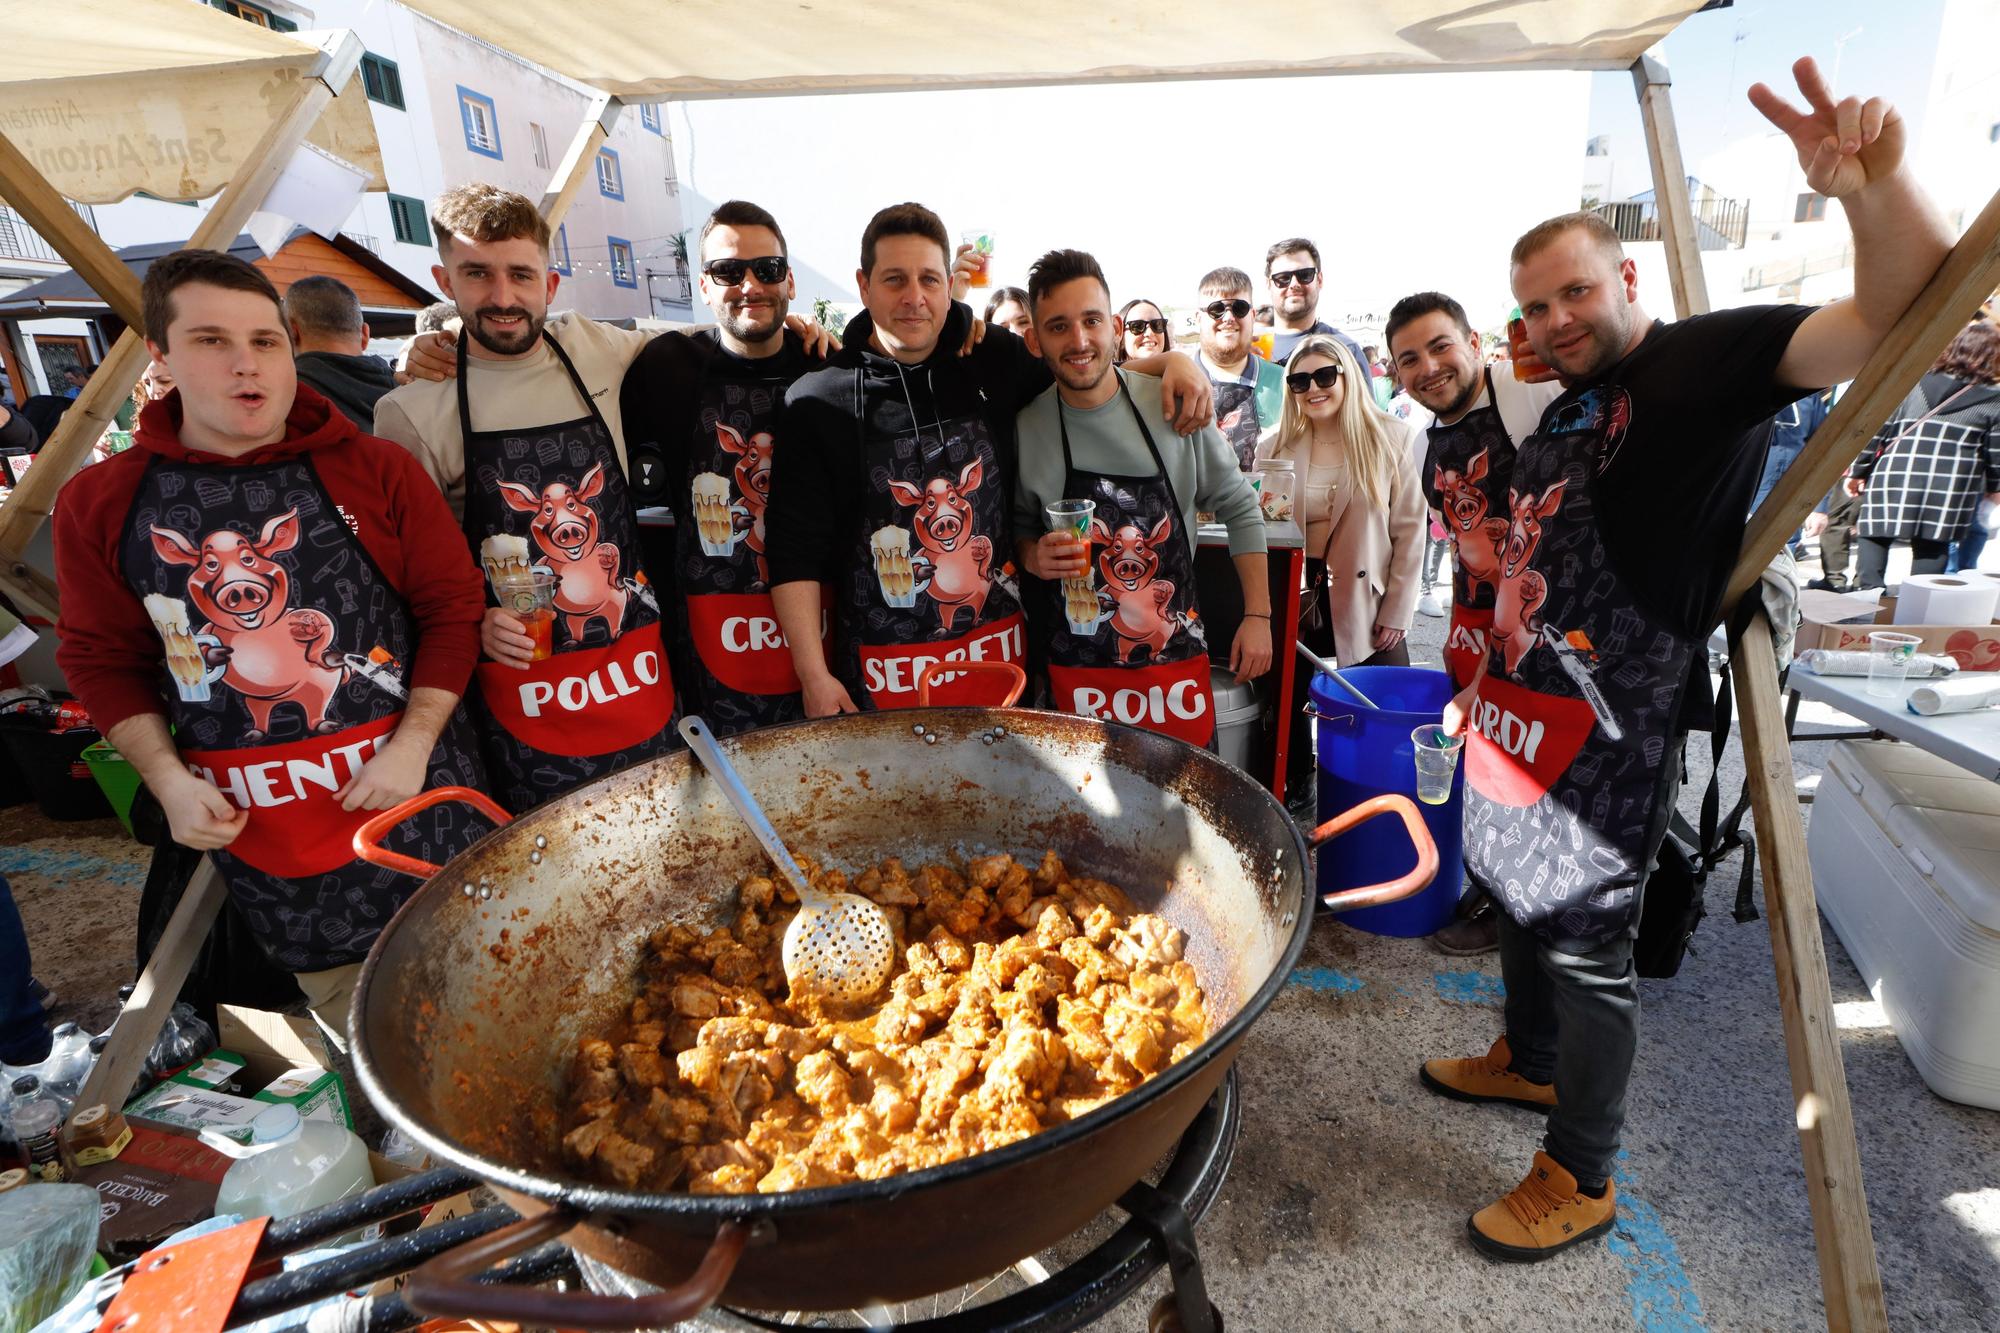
{"type": "Point", "coordinates": [1217, 309]}
{"type": "Point", "coordinates": [1158, 326]}
{"type": "Point", "coordinates": [1302, 276]}
{"type": "Point", "coordinates": [1301, 381]}
{"type": "Point", "coordinates": [768, 270]}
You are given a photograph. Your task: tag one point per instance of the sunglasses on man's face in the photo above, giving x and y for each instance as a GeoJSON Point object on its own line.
{"type": "Point", "coordinates": [1136, 326]}
{"type": "Point", "coordinates": [1302, 276]}
{"type": "Point", "coordinates": [768, 270]}
{"type": "Point", "coordinates": [1304, 381]}
{"type": "Point", "coordinates": [1217, 309]}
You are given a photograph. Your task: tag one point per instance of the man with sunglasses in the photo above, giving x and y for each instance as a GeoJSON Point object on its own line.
{"type": "Point", "coordinates": [1249, 391]}
{"type": "Point", "coordinates": [706, 406]}
{"type": "Point", "coordinates": [1292, 272]}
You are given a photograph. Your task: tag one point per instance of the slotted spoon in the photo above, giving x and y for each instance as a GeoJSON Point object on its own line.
{"type": "Point", "coordinates": [839, 946]}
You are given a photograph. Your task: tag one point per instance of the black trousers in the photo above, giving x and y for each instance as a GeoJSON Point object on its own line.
{"type": "Point", "coordinates": [1926, 557]}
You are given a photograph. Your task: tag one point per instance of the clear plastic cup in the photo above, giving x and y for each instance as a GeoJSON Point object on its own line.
{"type": "Point", "coordinates": [1437, 760]}
{"type": "Point", "coordinates": [981, 241]}
{"type": "Point", "coordinates": [1889, 657]}
{"type": "Point", "coordinates": [531, 598]}
{"type": "Point", "coordinates": [1080, 603]}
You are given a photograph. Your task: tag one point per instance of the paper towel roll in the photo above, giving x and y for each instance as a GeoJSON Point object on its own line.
{"type": "Point", "coordinates": [1947, 599]}
{"type": "Point", "coordinates": [1959, 694]}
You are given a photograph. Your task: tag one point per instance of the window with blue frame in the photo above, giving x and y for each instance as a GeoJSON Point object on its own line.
{"type": "Point", "coordinates": [610, 179]}
{"type": "Point", "coordinates": [623, 271]}
{"type": "Point", "coordinates": [649, 116]}
{"type": "Point", "coordinates": [480, 121]}
{"type": "Point", "coordinates": [559, 251]}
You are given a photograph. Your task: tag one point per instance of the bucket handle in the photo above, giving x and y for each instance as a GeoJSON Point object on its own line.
{"type": "Point", "coordinates": [1414, 881]}
{"type": "Point", "coordinates": [1016, 683]}
{"type": "Point", "coordinates": [368, 838]}
{"type": "Point", "coordinates": [1344, 719]}
{"type": "Point", "coordinates": [448, 1284]}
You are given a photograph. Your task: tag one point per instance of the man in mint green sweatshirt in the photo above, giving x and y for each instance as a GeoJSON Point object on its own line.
{"type": "Point", "coordinates": [1125, 639]}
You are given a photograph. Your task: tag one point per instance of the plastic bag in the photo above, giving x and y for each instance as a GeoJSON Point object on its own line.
{"type": "Point", "coordinates": [184, 1040]}
{"type": "Point", "coordinates": [47, 1237]}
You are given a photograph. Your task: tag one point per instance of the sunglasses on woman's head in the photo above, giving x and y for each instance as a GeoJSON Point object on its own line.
{"type": "Point", "coordinates": [1302, 381]}
{"type": "Point", "coordinates": [1158, 326]}
{"type": "Point", "coordinates": [729, 272]}
{"type": "Point", "coordinates": [1217, 309]}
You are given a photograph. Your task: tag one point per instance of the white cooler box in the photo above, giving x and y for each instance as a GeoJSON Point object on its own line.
{"type": "Point", "coordinates": [1906, 861]}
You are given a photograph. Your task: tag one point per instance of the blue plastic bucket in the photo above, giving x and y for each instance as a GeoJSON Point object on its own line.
{"type": "Point", "coordinates": [1367, 752]}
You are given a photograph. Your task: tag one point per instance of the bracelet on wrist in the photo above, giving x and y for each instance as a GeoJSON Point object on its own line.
{"type": "Point", "coordinates": [1256, 615]}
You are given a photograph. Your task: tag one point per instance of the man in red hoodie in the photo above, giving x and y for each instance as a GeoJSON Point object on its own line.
{"type": "Point", "coordinates": [290, 597]}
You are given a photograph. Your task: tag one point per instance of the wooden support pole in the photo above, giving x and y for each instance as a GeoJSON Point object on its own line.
{"type": "Point", "coordinates": [138, 1025]}
{"type": "Point", "coordinates": [64, 452]}
{"type": "Point", "coordinates": [1670, 190]}
{"type": "Point", "coordinates": [1849, 1280]}
{"type": "Point", "coordinates": [66, 231]}
{"type": "Point", "coordinates": [1967, 277]}
{"type": "Point", "coordinates": [581, 159]}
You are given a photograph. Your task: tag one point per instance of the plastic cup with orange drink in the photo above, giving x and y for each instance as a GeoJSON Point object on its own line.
{"type": "Point", "coordinates": [981, 242]}
{"type": "Point", "coordinates": [531, 599]}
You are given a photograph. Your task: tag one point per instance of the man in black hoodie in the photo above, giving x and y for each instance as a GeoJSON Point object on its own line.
{"type": "Point", "coordinates": [893, 480]}
{"type": "Point", "coordinates": [329, 339]}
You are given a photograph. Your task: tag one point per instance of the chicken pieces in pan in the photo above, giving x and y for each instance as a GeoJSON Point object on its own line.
{"type": "Point", "coordinates": [1023, 998]}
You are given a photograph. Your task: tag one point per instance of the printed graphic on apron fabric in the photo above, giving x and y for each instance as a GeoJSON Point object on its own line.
{"type": "Point", "coordinates": [729, 511]}
{"type": "Point", "coordinates": [1477, 537]}
{"type": "Point", "coordinates": [1140, 602]}
{"type": "Point", "coordinates": [565, 530]}
{"type": "Point", "coordinates": [951, 564]}
{"type": "Point", "coordinates": [1236, 418]}
{"type": "Point", "coordinates": [252, 640]}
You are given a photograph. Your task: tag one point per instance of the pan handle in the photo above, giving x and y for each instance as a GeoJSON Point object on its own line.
{"type": "Point", "coordinates": [368, 838]}
{"type": "Point", "coordinates": [1374, 895]}
{"type": "Point", "coordinates": [1016, 683]}
{"type": "Point", "coordinates": [446, 1285]}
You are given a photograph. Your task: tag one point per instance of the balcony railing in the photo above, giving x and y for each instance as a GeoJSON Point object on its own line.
{"type": "Point", "coordinates": [1719, 223]}
{"type": "Point", "coordinates": [18, 240]}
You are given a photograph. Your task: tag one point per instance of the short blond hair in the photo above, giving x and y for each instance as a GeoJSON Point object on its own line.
{"type": "Point", "coordinates": [1544, 234]}
{"type": "Point", "coordinates": [487, 213]}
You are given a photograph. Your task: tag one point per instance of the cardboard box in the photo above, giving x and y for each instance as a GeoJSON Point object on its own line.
{"type": "Point", "coordinates": [284, 1058]}
{"type": "Point", "coordinates": [1844, 620]}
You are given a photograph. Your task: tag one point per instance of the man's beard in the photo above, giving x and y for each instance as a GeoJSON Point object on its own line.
{"type": "Point", "coordinates": [741, 324]}
{"type": "Point", "coordinates": [1603, 349]}
{"type": "Point", "coordinates": [501, 343]}
{"type": "Point", "coordinates": [1469, 390]}
{"type": "Point", "coordinates": [1097, 371]}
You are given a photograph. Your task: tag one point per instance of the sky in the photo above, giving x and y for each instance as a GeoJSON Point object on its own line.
{"type": "Point", "coordinates": [1406, 182]}
{"type": "Point", "coordinates": [1714, 57]}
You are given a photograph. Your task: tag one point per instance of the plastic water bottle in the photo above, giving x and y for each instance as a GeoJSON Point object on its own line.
{"type": "Point", "coordinates": [290, 1165]}
{"type": "Point", "coordinates": [68, 1063]}
{"type": "Point", "coordinates": [38, 1122]}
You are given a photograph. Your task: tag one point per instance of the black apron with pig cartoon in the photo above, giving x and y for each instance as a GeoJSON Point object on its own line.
{"type": "Point", "coordinates": [1133, 649]}
{"type": "Point", "coordinates": [743, 674]}
{"type": "Point", "coordinates": [1567, 751]}
{"type": "Point", "coordinates": [1465, 475]}
{"type": "Point", "coordinates": [930, 578]}
{"type": "Point", "coordinates": [287, 652]}
{"type": "Point", "coordinates": [1236, 412]}
{"type": "Point", "coordinates": [554, 498]}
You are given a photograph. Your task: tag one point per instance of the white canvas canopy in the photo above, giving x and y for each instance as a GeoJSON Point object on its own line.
{"type": "Point", "coordinates": [109, 97]}
{"type": "Point", "coordinates": [641, 50]}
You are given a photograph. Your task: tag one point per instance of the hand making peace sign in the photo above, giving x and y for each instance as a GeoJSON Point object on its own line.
{"type": "Point", "coordinates": [1842, 145]}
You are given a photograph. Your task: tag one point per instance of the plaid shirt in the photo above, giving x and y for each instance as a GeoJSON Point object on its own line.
{"type": "Point", "coordinates": [1925, 476]}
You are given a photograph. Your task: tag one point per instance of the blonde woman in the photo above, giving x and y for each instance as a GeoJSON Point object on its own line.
{"type": "Point", "coordinates": [1363, 512]}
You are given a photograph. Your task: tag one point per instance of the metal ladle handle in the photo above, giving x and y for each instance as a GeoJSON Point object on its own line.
{"type": "Point", "coordinates": [702, 741]}
{"type": "Point", "coordinates": [1328, 668]}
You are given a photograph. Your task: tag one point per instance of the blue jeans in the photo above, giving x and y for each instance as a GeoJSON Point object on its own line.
{"type": "Point", "coordinates": [24, 1028]}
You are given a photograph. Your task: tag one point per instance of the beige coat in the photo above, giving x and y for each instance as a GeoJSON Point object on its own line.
{"type": "Point", "coordinates": [1374, 555]}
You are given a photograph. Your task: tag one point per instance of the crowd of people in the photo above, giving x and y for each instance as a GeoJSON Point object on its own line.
{"type": "Point", "coordinates": [305, 595]}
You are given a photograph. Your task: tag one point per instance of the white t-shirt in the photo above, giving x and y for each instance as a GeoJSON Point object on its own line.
{"type": "Point", "coordinates": [533, 391]}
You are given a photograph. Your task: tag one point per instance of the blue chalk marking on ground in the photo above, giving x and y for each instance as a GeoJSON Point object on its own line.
{"type": "Point", "coordinates": [69, 866]}
{"type": "Point", "coordinates": [1324, 979]}
{"type": "Point", "coordinates": [1470, 988]}
{"type": "Point", "coordinates": [1663, 1299]}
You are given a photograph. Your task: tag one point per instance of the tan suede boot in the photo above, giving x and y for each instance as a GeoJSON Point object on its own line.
{"type": "Point", "coordinates": [1544, 1216]}
{"type": "Point", "coordinates": [1486, 1078]}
